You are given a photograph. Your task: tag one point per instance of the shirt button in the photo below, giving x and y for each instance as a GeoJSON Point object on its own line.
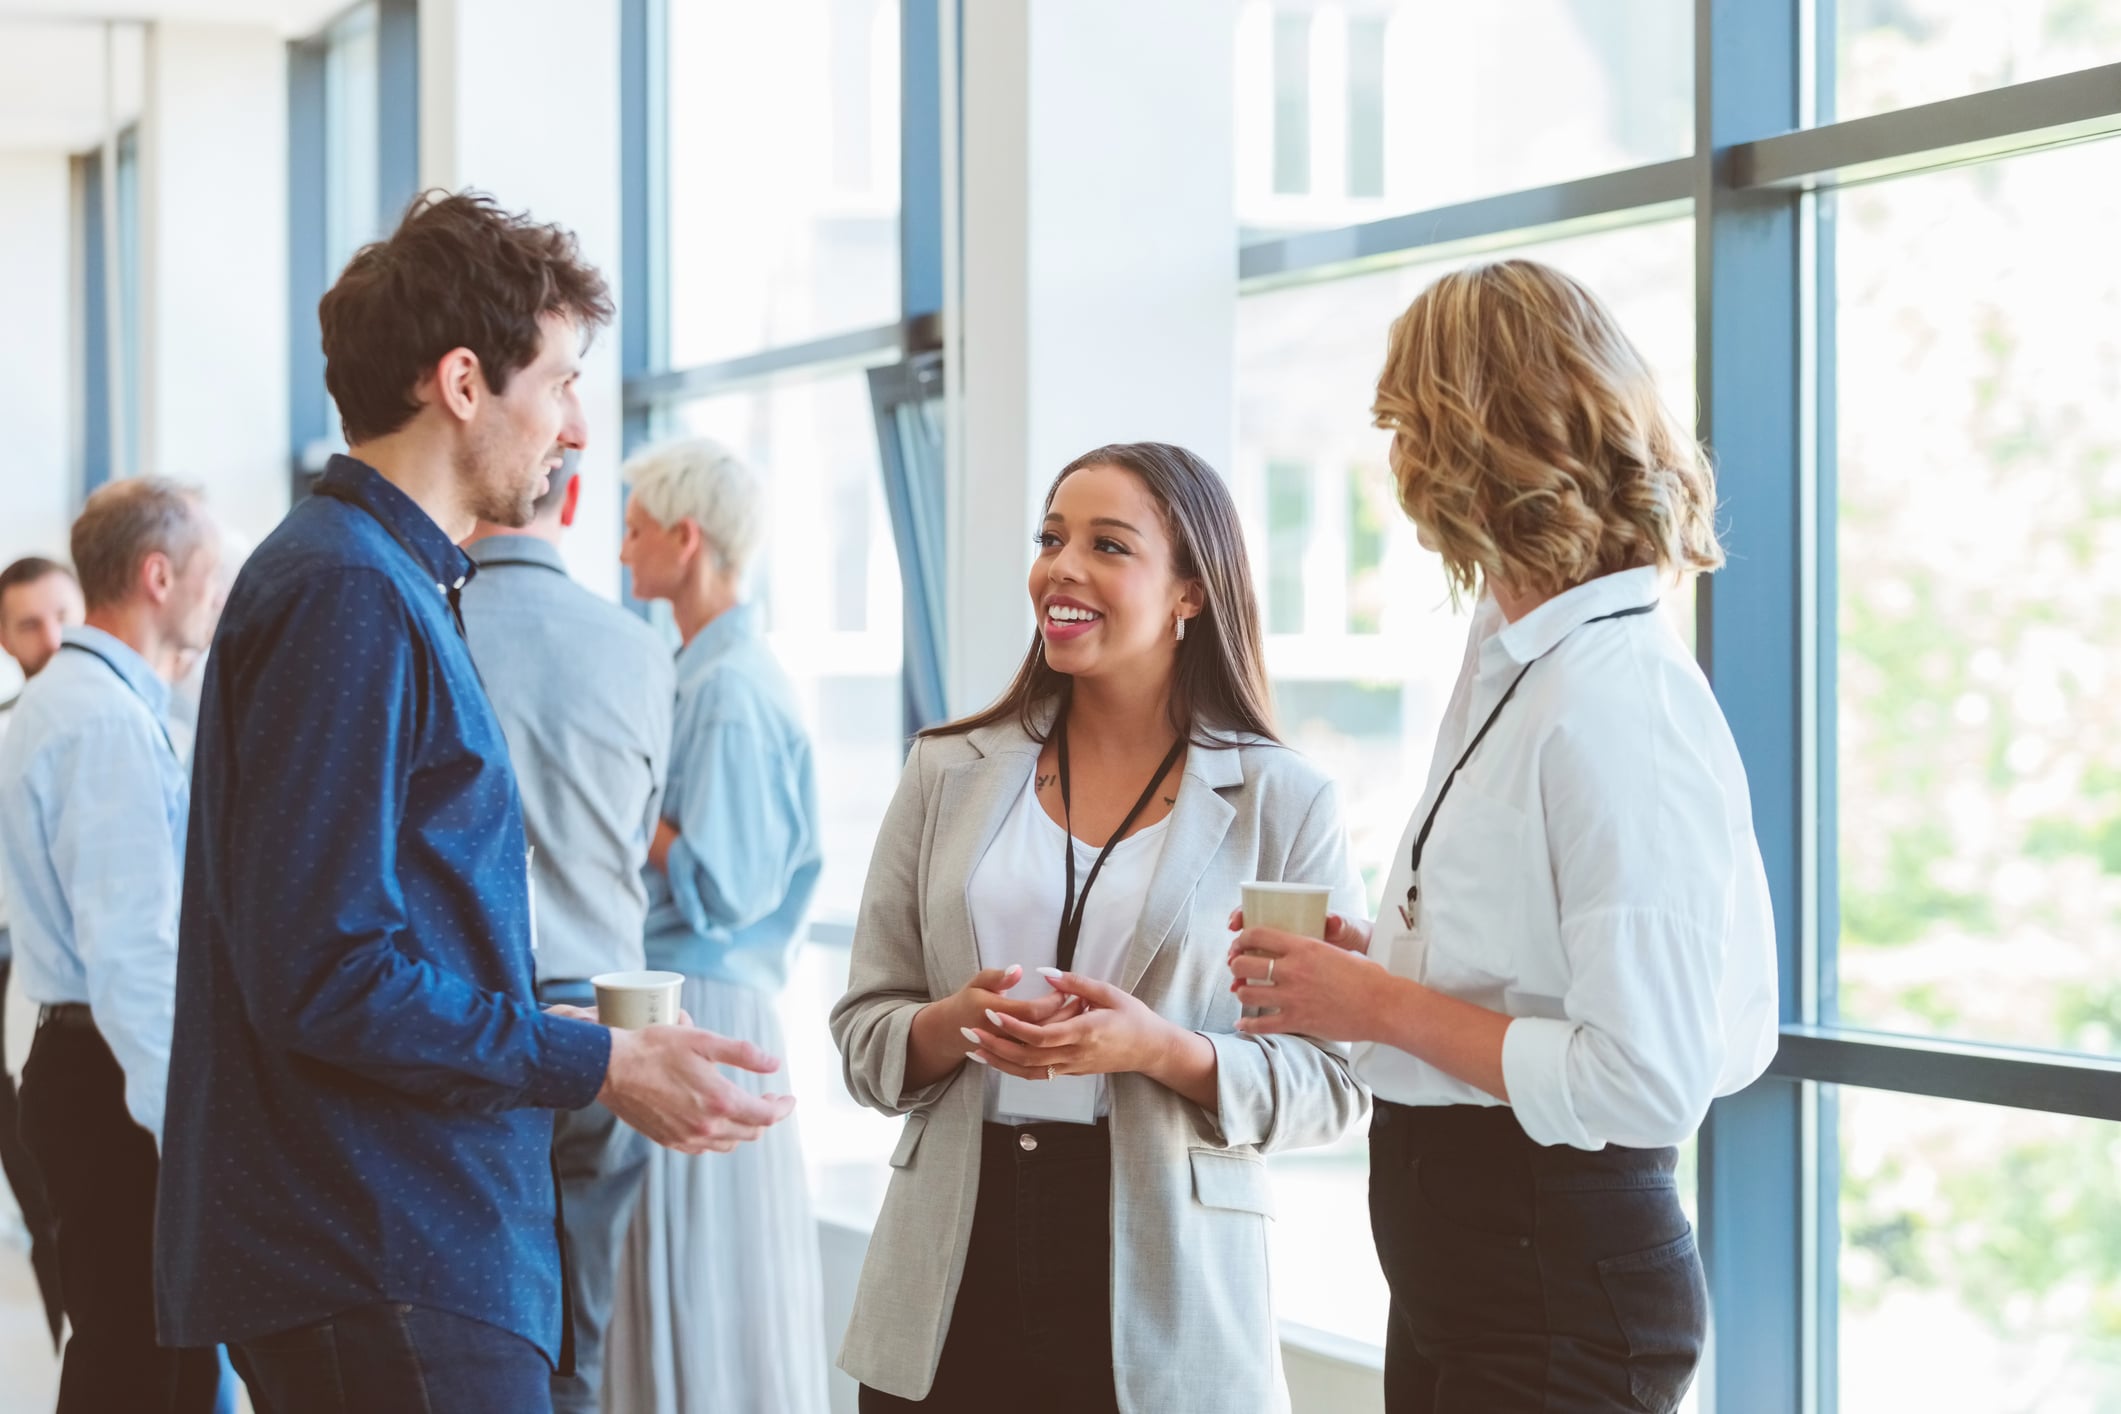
{"type": "Point", "coordinates": [1027, 1142]}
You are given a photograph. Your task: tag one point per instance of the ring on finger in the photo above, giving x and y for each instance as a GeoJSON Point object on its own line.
{"type": "Point", "coordinates": [1270, 969]}
{"type": "Point", "coordinates": [1052, 1071]}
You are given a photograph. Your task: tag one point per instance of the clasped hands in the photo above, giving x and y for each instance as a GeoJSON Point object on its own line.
{"type": "Point", "coordinates": [666, 1081]}
{"type": "Point", "coordinates": [1082, 1027]}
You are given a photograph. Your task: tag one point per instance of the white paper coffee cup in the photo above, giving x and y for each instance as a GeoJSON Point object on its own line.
{"type": "Point", "coordinates": [633, 1000]}
{"type": "Point", "coordinates": [1286, 908]}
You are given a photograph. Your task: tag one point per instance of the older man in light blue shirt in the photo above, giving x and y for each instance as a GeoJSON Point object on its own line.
{"type": "Point", "coordinates": [93, 817]}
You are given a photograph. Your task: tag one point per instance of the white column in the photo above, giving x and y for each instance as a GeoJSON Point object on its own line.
{"type": "Point", "coordinates": [1098, 274]}
{"type": "Point", "coordinates": [36, 359]}
{"type": "Point", "coordinates": [520, 99]}
{"type": "Point", "coordinates": [213, 268]}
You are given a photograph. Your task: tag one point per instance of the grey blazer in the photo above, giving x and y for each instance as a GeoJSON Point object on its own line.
{"type": "Point", "coordinates": [1193, 1325]}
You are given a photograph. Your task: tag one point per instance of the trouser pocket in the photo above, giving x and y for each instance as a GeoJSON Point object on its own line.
{"type": "Point", "coordinates": [1661, 1304]}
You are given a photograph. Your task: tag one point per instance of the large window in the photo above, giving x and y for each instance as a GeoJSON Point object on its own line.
{"type": "Point", "coordinates": [1349, 110]}
{"type": "Point", "coordinates": [1907, 364]}
{"type": "Point", "coordinates": [1979, 562]}
{"type": "Point", "coordinates": [352, 167]}
{"type": "Point", "coordinates": [768, 201]}
{"type": "Point", "coordinates": [1897, 53]}
{"type": "Point", "coordinates": [783, 172]}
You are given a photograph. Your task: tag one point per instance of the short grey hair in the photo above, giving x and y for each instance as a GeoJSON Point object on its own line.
{"type": "Point", "coordinates": [699, 479]}
{"type": "Point", "coordinates": [126, 521]}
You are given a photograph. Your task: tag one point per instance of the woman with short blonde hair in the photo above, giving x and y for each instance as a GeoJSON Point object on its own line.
{"type": "Point", "coordinates": [1576, 952]}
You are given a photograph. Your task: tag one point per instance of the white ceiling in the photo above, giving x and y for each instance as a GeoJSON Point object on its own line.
{"type": "Point", "coordinates": [52, 64]}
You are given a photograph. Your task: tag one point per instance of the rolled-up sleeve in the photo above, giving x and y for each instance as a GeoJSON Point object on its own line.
{"type": "Point", "coordinates": [1291, 1092]}
{"type": "Point", "coordinates": [317, 912]}
{"type": "Point", "coordinates": [1644, 877]}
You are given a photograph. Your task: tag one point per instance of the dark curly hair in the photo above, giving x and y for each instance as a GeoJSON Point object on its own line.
{"type": "Point", "coordinates": [458, 272]}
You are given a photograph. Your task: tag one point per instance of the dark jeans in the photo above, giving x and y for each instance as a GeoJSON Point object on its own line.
{"type": "Point", "coordinates": [1032, 1331]}
{"type": "Point", "coordinates": [600, 1163]}
{"type": "Point", "coordinates": [394, 1359]}
{"type": "Point", "coordinates": [26, 1183]}
{"type": "Point", "coordinates": [1529, 1278]}
{"type": "Point", "coordinates": [99, 1171]}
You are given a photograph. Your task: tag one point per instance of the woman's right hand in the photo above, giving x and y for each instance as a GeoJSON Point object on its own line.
{"type": "Point", "coordinates": [1351, 934]}
{"type": "Point", "coordinates": [937, 1044]}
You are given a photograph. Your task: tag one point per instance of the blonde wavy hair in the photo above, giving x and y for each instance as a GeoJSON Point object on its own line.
{"type": "Point", "coordinates": [1530, 445]}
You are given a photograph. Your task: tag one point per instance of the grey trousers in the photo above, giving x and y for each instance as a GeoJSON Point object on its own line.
{"type": "Point", "coordinates": [600, 1162]}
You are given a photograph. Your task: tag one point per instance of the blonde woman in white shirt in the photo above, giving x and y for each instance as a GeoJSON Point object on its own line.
{"type": "Point", "coordinates": [1077, 1216]}
{"type": "Point", "coordinates": [1576, 952]}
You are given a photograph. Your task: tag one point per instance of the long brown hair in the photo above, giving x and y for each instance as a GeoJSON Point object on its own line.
{"type": "Point", "coordinates": [1220, 683]}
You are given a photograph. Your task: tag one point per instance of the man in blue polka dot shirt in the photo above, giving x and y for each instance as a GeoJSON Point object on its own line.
{"type": "Point", "coordinates": [357, 1193]}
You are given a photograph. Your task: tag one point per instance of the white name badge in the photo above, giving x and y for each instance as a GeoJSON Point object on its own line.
{"type": "Point", "coordinates": [1069, 1099]}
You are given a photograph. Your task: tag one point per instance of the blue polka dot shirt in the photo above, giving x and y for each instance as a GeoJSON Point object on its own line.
{"type": "Point", "coordinates": [360, 1079]}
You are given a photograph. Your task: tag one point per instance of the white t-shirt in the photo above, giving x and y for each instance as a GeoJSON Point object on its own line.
{"type": "Point", "coordinates": [1015, 893]}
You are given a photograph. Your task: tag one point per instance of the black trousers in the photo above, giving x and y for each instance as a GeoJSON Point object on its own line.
{"type": "Point", "coordinates": [1032, 1330]}
{"type": "Point", "coordinates": [28, 1186]}
{"type": "Point", "coordinates": [600, 1163]}
{"type": "Point", "coordinates": [99, 1172]}
{"type": "Point", "coordinates": [1529, 1278]}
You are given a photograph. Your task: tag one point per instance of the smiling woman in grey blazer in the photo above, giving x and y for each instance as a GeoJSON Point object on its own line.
{"type": "Point", "coordinates": [1077, 1217]}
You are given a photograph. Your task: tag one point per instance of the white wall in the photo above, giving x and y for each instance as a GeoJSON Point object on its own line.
{"type": "Point", "coordinates": [213, 267]}
{"type": "Point", "coordinates": [35, 361]}
{"type": "Point", "coordinates": [1098, 275]}
{"type": "Point", "coordinates": [520, 98]}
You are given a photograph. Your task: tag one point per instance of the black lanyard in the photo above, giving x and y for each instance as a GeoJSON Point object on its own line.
{"type": "Point", "coordinates": [1071, 925]}
{"type": "Point", "coordinates": [1422, 839]}
{"type": "Point", "coordinates": [100, 656]}
{"type": "Point", "coordinates": [454, 591]}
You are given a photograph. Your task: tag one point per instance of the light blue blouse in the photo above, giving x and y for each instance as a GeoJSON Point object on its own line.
{"type": "Point", "coordinates": [742, 794]}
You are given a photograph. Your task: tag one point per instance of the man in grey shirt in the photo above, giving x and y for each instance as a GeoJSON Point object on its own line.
{"type": "Point", "coordinates": [583, 691]}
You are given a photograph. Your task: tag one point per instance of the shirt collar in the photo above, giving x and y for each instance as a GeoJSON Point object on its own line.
{"type": "Point", "coordinates": [1539, 631]}
{"type": "Point", "coordinates": [516, 550]}
{"type": "Point", "coordinates": [721, 637]}
{"type": "Point", "coordinates": [126, 661]}
{"type": "Point", "coordinates": [353, 480]}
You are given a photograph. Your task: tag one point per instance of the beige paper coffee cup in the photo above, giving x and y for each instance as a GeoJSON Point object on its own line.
{"type": "Point", "coordinates": [633, 1000]}
{"type": "Point", "coordinates": [1286, 908]}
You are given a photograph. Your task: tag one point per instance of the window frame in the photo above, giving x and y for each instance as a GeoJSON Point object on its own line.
{"type": "Point", "coordinates": [310, 423]}
{"type": "Point", "coordinates": [909, 347]}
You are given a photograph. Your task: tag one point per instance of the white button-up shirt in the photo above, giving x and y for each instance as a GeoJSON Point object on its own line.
{"type": "Point", "coordinates": [1593, 873]}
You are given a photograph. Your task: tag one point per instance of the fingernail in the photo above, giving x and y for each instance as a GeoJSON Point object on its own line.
{"type": "Point", "coordinates": [994, 1016]}
{"type": "Point", "coordinates": [969, 1034]}
{"type": "Point", "coordinates": [1012, 969]}
{"type": "Point", "coordinates": [1051, 974]}
{"type": "Point", "coordinates": [976, 1056]}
